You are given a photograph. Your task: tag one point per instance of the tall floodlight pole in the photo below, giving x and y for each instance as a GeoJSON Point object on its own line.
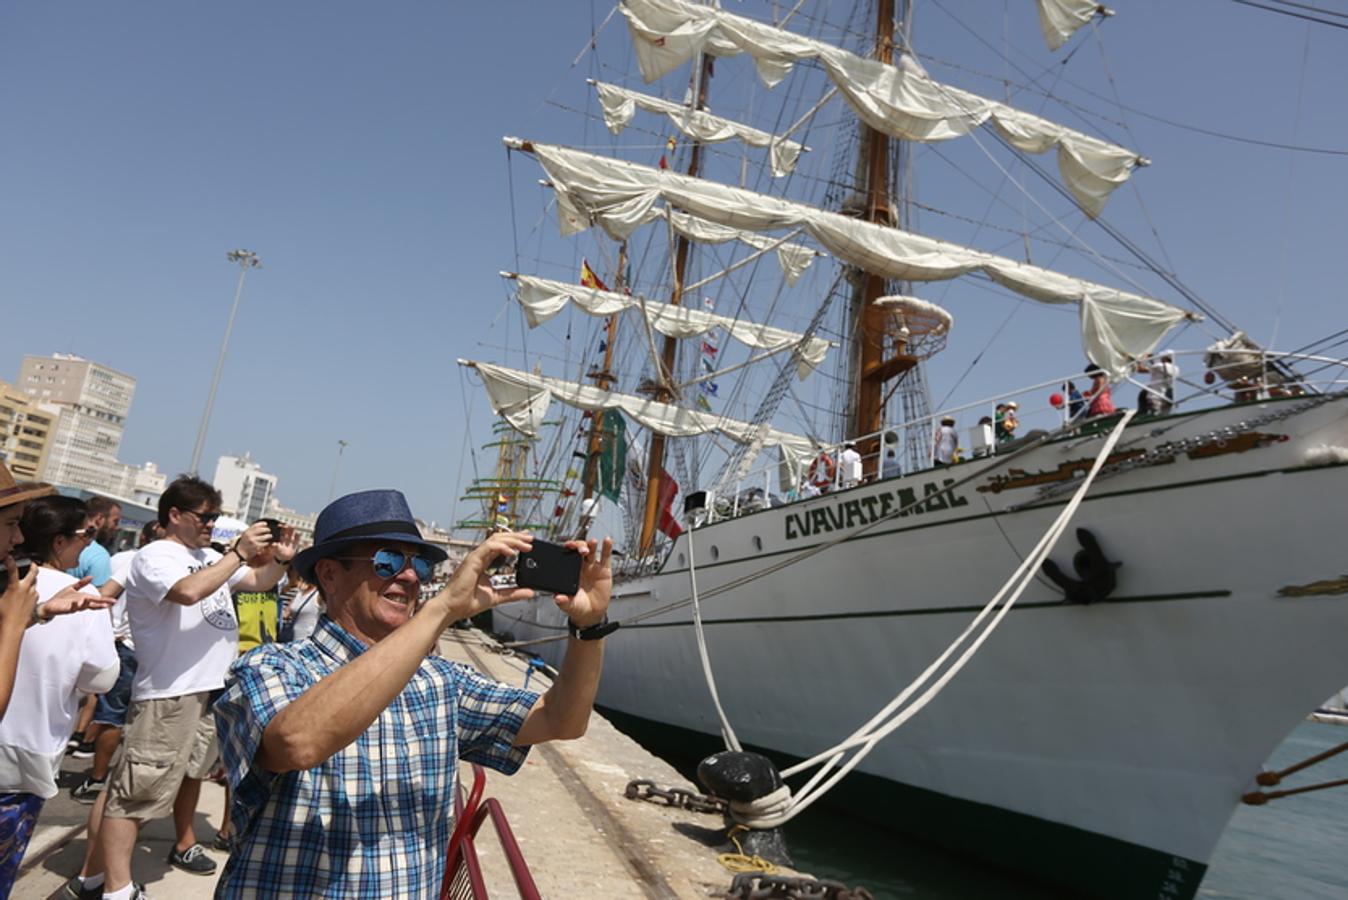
{"type": "Point", "coordinates": [246, 259]}
{"type": "Point", "coordinates": [332, 490]}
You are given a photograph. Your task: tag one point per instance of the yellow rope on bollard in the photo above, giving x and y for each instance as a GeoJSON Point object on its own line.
{"type": "Point", "coordinates": [741, 861]}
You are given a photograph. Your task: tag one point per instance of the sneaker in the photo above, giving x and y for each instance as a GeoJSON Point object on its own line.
{"type": "Point", "coordinates": [75, 740]}
{"type": "Point", "coordinates": [223, 842]}
{"type": "Point", "coordinates": [81, 750]}
{"type": "Point", "coordinates": [193, 859]}
{"type": "Point", "coordinates": [87, 791]}
{"type": "Point", "coordinates": [75, 890]}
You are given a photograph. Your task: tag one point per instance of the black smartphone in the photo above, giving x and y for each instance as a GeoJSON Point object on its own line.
{"type": "Point", "coordinates": [23, 565]}
{"type": "Point", "coordinates": [549, 567]}
{"type": "Point", "coordinates": [275, 526]}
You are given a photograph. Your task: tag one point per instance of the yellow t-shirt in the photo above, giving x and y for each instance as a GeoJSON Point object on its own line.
{"type": "Point", "coordinates": [258, 613]}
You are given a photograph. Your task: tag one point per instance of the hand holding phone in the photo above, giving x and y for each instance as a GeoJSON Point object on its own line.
{"type": "Point", "coordinates": [549, 567]}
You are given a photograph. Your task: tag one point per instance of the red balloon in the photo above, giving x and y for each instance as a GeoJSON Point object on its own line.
{"type": "Point", "coordinates": [1056, 400]}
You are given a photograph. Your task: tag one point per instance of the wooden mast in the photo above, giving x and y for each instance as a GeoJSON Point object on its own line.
{"type": "Point", "coordinates": [875, 365]}
{"type": "Point", "coordinates": [656, 458]}
{"type": "Point", "coordinates": [603, 378]}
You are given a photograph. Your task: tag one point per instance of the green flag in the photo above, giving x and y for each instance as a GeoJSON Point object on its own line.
{"type": "Point", "coordinates": [612, 454]}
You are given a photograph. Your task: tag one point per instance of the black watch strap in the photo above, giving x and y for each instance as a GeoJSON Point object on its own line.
{"type": "Point", "coordinates": [602, 628]}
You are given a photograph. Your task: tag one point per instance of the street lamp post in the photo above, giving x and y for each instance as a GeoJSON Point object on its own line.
{"type": "Point", "coordinates": [246, 259]}
{"type": "Point", "coordinates": [332, 490]}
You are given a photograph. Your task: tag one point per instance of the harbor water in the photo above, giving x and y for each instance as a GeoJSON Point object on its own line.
{"type": "Point", "coordinates": [1289, 848]}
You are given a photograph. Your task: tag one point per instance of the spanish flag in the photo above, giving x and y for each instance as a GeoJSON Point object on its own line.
{"type": "Point", "coordinates": [588, 278]}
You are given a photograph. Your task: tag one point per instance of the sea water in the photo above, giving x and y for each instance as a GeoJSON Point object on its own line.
{"type": "Point", "coordinates": [1292, 847]}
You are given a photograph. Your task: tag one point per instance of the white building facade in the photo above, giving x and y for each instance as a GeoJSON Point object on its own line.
{"type": "Point", "coordinates": [246, 491]}
{"type": "Point", "coordinates": [89, 403]}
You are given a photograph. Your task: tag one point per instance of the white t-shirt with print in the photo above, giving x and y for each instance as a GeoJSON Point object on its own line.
{"type": "Point", "coordinates": [180, 650]}
{"type": "Point", "coordinates": [121, 568]}
{"type": "Point", "coordinates": [57, 660]}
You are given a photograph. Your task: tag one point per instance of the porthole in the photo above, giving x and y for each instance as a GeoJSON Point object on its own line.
{"type": "Point", "coordinates": [715, 552]}
{"type": "Point", "coordinates": [758, 544]}
{"type": "Point", "coordinates": [683, 561]}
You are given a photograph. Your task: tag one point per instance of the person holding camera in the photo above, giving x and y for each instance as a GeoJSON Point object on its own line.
{"type": "Point", "coordinates": [342, 749]}
{"type": "Point", "coordinates": [186, 636]}
{"type": "Point", "coordinates": [19, 607]}
{"type": "Point", "coordinates": [59, 661]}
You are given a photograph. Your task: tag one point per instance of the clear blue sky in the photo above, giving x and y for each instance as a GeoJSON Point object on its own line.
{"type": "Point", "coordinates": [355, 147]}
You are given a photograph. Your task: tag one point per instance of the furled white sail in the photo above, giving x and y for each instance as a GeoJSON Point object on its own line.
{"type": "Point", "coordinates": [523, 400]}
{"type": "Point", "coordinates": [794, 259]}
{"type": "Point", "coordinates": [1117, 327]}
{"type": "Point", "coordinates": [620, 105]}
{"type": "Point", "coordinates": [543, 298]}
{"type": "Point", "coordinates": [1059, 19]}
{"type": "Point", "coordinates": [902, 101]}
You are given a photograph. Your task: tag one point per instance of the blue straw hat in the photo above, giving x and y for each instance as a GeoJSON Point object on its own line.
{"type": "Point", "coordinates": [381, 515]}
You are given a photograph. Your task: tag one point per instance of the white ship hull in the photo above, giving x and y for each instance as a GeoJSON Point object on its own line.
{"type": "Point", "coordinates": [1140, 720]}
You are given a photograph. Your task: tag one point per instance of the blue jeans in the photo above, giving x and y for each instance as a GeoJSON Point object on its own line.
{"type": "Point", "coordinates": [111, 707]}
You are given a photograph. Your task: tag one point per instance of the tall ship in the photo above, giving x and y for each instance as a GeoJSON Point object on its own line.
{"type": "Point", "coordinates": [1064, 624]}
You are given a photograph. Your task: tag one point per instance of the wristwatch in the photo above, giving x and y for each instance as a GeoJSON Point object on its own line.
{"type": "Point", "coordinates": [600, 629]}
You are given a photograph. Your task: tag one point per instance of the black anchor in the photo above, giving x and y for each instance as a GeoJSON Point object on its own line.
{"type": "Point", "coordinates": [1096, 573]}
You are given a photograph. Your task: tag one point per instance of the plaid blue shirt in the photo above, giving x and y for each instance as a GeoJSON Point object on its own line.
{"type": "Point", "coordinates": [374, 819]}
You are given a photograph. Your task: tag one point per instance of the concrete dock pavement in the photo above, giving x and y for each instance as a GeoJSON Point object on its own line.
{"type": "Point", "coordinates": [580, 836]}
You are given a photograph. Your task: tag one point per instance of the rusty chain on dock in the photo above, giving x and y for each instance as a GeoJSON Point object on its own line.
{"type": "Point", "coordinates": [759, 886]}
{"type": "Point", "coordinates": [649, 791]}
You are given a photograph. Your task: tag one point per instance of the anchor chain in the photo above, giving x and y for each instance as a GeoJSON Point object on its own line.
{"type": "Point", "coordinates": [1168, 451]}
{"type": "Point", "coordinates": [649, 791]}
{"type": "Point", "coordinates": [796, 888]}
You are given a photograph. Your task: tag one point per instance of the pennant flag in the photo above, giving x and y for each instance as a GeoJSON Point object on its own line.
{"type": "Point", "coordinates": [663, 164]}
{"type": "Point", "coordinates": [702, 402]}
{"type": "Point", "coordinates": [708, 388]}
{"type": "Point", "coordinates": [572, 473]}
{"type": "Point", "coordinates": [588, 278]}
{"type": "Point", "coordinates": [669, 489]}
{"type": "Point", "coordinates": [709, 349]}
{"type": "Point", "coordinates": [612, 454]}
{"type": "Point", "coordinates": [603, 345]}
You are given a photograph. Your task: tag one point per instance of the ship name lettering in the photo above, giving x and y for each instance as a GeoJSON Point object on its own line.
{"type": "Point", "coordinates": [862, 510]}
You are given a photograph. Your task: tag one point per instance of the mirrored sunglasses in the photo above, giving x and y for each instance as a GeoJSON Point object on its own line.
{"type": "Point", "coordinates": [389, 563]}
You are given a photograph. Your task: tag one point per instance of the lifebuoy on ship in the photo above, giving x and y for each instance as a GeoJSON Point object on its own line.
{"type": "Point", "coordinates": [822, 470]}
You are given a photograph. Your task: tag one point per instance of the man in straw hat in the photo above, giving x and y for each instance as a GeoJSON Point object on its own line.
{"type": "Point", "coordinates": [342, 748]}
{"type": "Point", "coordinates": [18, 603]}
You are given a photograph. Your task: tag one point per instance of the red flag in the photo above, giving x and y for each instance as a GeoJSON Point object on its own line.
{"type": "Point", "coordinates": [589, 279]}
{"type": "Point", "coordinates": [669, 488]}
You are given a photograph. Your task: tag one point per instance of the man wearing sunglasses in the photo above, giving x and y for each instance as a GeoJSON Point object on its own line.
{"type": "Point", "coordinates": [186, 637]}
{"type": "Point", "coordinates": [342, 748]}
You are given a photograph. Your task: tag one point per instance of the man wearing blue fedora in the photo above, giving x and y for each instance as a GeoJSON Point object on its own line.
{"type": "Point", "coordinates": [342, 748]}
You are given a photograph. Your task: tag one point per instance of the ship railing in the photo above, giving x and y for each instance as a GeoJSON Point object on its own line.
{"type": "Point", "coordinates": [1219, 385]}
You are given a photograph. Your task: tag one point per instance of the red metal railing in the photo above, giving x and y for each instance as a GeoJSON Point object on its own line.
{"type": "Point", "coordinates": [463, 872]}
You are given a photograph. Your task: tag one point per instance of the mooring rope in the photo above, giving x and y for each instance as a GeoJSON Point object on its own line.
{"type": "Point", "coordinates": [769, 811]}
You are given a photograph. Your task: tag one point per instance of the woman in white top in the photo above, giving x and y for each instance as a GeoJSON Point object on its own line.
{"type": "Point", "coordinates": [60, 659]}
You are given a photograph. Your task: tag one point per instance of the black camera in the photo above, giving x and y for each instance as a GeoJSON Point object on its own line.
{"type": "Point", "coordinates": [23, 565]}
{"type": "Point", "coordinates": [275, 526]}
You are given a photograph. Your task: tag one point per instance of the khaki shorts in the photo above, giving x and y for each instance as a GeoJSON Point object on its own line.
{"type": "Point", "coordinates": [164, 740]}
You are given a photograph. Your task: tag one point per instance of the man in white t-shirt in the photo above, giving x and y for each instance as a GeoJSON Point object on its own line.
{"type": "Point", "coordinates": [849, 466]}
{"type": "Point", "coordinates": [186, 636]}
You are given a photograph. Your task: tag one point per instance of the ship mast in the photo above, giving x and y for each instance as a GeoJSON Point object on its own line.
{"type": "Point", "coordinates": [602, 378]}
{"type": "Point", "coordinates": [876, 364]}
{"type": "Point", "coordinates": [656, 457]}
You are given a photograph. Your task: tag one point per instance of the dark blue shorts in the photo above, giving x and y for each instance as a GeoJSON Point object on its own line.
{"type": "Point", "coordinates": [111, 707]}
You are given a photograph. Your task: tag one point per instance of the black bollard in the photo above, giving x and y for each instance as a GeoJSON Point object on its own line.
{"type": "Point", "coordinates": [741, 778]}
